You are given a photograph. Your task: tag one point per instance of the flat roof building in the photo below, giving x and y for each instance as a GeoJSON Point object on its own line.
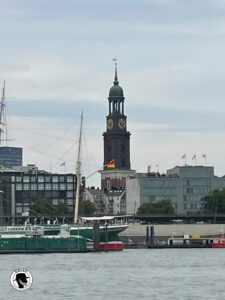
{"type": "Point", "coordinates": [185, 186]}
{"type": "Point", "coordinates": [20, 189]}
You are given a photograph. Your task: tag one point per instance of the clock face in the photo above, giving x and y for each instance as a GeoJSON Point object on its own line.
{"type": "Point", "coordinates": [110, 123]}
{"type": "Point", "coordinates": [122, 123]}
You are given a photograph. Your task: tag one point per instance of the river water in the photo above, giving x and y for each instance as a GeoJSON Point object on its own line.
{"type": "Point", "coordinates": [131, 274]}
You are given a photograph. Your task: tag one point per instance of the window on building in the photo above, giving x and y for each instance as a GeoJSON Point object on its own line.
{"type": "Point", "coordinates": [40, 178]}
{"type": "Point", "coordinates": [40, 186]}
{"type": "Point", "coordinates": [19, 209]}
{"type": "Point", "coordinates": [61, 178]}
{"type": "Point", "coordinates": [12, 178]}
{"type": "Point", "coordinates": [55, 179]}
{"type": "Point", "coordinates": [61, 200]}
{"type": "Point", "coordinates": [69, 194]}
{"type": "Point", "coordinates": [55, 186]}
{"type": "Point", "coordinates": [26, 179]}
{"type": "Point", "coordinates": [18, 179]}
{"type": "Point", "coordinates": [48, 186]}
{"type": "Point", "coordinates": [62, 186]}
{"type": "Point", "coordinates": [19, 187]}
{"type": "Point", "coordinates": [69, 201]}
{"type": "Point", "coordinates": [47, 178]}
{"type": "Point", "coordinates": [33, 179]}
{"type": "Point", "coordinates": [152, 198]}
{"type": "Point", "coordinates": [54, 201]}
{"type": "Point", "coordinates": [26, 187]}
{"type": "Point", "coordinates": [33, 187]}
{"type": "Point", "coordinates": [69, 179]}
{"type": "Point", "coordinates": [69, 186]}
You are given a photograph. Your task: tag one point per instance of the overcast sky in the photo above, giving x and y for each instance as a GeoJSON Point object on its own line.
{"type": "Point", "coordinates": [56, 58]}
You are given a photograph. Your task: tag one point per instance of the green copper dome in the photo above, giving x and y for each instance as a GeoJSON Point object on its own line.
{"type": "Point", "coordinates": [116, 91]}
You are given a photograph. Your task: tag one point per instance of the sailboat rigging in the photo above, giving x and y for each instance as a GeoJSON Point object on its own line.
{"type": "Point", "coordinates": [78, 173]}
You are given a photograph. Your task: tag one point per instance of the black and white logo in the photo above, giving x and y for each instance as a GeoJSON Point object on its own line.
{"type": "Point", "coordinates": [21, 279]}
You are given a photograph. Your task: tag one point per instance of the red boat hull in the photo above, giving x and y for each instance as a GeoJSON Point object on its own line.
{"type": "Point", "coordinates": [219, 243]}
{"type": "Point", "coordinates": [112, 246]}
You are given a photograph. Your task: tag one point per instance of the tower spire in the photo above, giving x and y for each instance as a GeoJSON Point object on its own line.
{"type": "Point", "coordinates": [116, 82]}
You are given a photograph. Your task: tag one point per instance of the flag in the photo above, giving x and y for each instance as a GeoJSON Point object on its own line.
{"type": "Point", "coordinates": [63, 164]}
{"type": "Point", "coordinates": [204, 155]}
{"type": "Point", "coordinates": [184, 156]}
{"type": "Point", "coordinates": [194, 156]}
{"type": "Point", "coordinates": [114, 59]}
{"type": "Point", "coordinates": [110, 165]}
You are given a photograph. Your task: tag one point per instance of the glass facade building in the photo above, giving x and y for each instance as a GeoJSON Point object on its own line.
{"type": "Point", "coordinates": [11, 156]}
{"type": "Point", "coordinates": [186, 187]}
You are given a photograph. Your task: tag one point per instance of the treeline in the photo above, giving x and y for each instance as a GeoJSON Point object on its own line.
{"type": "Point", "coordinates": [44, 206]}
{"type": "Point", "coordinates": [160, 207]}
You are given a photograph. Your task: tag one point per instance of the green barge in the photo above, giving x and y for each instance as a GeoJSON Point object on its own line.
{"type": "Point", "coordinates": [42, 244]}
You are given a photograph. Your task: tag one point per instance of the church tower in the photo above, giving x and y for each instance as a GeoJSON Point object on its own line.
{"type": "Point", "coordinates": [116, 140]}
{"type": "Point", "coordinates": [116, 137]}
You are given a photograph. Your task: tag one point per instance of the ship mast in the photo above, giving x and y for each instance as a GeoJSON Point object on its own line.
{"type": "Point", "coordinates": [2, 107]}
{"type": "Point", "coordinates": [78, 173]}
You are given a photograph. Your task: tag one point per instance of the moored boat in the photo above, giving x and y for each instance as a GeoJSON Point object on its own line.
{"type": "Point", "coordinates": [108, 232]}
{"type": "Point", "coordinates": [218, 243]}
{"type": "Point", "coordinates": [34, 241]}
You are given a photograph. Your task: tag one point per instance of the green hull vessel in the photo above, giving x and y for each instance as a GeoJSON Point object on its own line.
{"type": "Point", "coordinates": [42, 244]}
{"type": "Point", "coordinates": [87, 232]}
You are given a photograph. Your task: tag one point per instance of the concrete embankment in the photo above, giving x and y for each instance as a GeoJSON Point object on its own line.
{"type": "Point", "coordinates": [137, 232]}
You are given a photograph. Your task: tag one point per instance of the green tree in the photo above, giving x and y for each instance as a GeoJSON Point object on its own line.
{"type": "Point", "coordinates": [163, 207]}
{"type": "Point", "coordinates": [86, 208]}
{"type": "Point", "coordinates": [61, 209]}
{"type": "Point", "coordinates": [216, 202]}
{"type": "Point", "coordinates": [43, 206]}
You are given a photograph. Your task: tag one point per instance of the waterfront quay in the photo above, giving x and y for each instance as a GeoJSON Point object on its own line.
{"type": "Point", "coordinates": [136, 233]}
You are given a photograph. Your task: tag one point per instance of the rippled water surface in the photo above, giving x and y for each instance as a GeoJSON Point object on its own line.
{"type": "Point", "coordinates": [131, 274]}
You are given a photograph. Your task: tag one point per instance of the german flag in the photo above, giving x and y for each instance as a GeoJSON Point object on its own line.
{"type": "Point", "coordinates": [111, 164]}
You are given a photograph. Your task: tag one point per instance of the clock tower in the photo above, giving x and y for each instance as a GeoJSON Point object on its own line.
{"type": "Point", "coordinates": [116, 137]}
{"type": "Point", "coordinates": [116, 140]}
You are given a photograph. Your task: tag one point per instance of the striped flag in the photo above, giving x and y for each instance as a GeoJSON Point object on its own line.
{"type": "Point", "coordinates": [111, 165]}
